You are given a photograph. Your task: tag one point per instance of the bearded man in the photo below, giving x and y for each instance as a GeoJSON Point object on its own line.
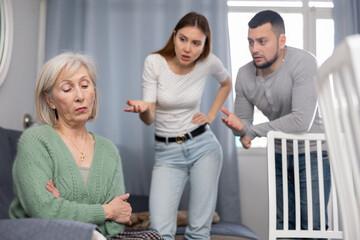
{"type": "Point", "coordinates": [280, 83]}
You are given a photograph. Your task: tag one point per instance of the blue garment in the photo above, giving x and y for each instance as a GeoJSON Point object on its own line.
{"type": "Point", "coordinates": [199, 161]}
{"type": "Point", "coordinates": [303, 197]}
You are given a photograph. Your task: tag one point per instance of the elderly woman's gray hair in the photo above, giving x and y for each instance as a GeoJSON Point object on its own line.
{"type": "Point", "coordinates": [68, 63]}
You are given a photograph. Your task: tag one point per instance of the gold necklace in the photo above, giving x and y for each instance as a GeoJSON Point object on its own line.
{"type": "Point", "coordinates": [82, 155]}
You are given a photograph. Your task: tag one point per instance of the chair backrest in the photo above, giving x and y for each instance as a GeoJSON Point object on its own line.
{"type": "Point", "coordinates": [300, 141]}
{"type": "Point", "coordinates": [338, 87]}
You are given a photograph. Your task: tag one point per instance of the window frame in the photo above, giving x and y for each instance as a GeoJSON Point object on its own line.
{"type": "Point", "coordinates": [311, 14]}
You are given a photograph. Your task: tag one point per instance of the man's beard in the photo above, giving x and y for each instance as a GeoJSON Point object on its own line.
{"type": "Point", "coordinates": [267, 63]}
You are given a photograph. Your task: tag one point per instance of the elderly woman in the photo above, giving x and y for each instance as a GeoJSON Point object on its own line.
{"type": "Point", "coordinates": [63, 171]}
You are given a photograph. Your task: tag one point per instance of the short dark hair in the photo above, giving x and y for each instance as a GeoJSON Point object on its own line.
{"type": "Point", "coordinates": [268, 16]}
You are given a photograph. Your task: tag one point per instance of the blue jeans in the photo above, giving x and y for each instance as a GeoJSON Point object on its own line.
{"type": "Point", "coordinates": [199, 161]}
{"type": "Point", "coordinates": [303, 198]}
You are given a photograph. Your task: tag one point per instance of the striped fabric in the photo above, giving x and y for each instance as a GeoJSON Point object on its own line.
{"type": "Point", "coordinates": [148, 235]}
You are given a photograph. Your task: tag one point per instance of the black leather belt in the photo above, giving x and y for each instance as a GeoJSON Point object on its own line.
{"type": "Point", "coordinates": [183, 137]}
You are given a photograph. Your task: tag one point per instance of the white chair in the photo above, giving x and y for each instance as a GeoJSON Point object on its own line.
{"type": "Point", "coordinates": [296, 142]}
{"type": "Point", "coordinates": [338, 87]}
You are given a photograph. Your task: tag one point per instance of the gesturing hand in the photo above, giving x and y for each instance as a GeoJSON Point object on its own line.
{"type": "Point", "coordinates": [51, 188]}
{"type": "Point", "coordinates": [136, 106]}
{"type": "Point", "coordinates": [232, 121]}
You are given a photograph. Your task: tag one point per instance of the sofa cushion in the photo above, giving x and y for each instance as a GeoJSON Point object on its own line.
{"type": "Point", "coordinates": [226, 229]}
{"type": "Point", "coordinates": [222, 230]}
{"type": "Point", "coordinates": [8, 146]}
{"type": "Point", "coordinates": [34, 229]}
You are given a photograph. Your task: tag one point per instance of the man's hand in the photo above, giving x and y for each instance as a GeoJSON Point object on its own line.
{"type": "Point", "coordinates": [232, 121]}
{"type": "Point", "coordinates": [245, 141]}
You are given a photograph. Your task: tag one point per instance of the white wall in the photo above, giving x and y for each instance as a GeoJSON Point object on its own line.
{"type": "Point", "coordinates": [17, 91]}
{"type": "Point", "coordinates": [253, 186]}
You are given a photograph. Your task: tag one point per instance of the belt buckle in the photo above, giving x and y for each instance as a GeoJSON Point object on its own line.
{"type": "Point", "coordinates": [180, 138]}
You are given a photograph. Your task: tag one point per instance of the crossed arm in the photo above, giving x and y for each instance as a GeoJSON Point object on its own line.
{"type": "Point", "coordinates": [117, 210]}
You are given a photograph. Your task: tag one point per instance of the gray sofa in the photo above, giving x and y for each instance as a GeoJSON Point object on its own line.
{"type": "Point", "coordinates": [30, 228]}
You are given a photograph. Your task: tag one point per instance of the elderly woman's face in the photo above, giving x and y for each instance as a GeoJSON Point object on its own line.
{"type": "Point", "coordinates": [73, 97]}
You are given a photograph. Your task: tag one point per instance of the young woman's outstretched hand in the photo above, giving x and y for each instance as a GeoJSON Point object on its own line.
{"type": "Point", "coordinates": [136, 106]}
{"type": "Point", "coordinates": [146, 110]}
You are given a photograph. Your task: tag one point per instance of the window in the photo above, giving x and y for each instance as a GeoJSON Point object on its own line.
{"type": "Point", "coordinates": [308, 25]}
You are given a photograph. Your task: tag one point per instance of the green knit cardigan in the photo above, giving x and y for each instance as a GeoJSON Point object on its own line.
{"type": "Point", "coordinates": [42, 155]}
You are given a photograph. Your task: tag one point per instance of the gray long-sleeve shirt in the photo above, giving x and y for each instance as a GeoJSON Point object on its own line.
{"type": "Point", "coordinates": [287, 97]}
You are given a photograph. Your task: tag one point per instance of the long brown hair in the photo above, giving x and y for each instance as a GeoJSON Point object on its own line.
{"type": "Point", "coordinates": [190, 19]}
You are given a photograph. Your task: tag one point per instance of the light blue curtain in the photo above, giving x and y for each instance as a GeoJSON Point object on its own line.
{"type": "Point", "coordinates": [346, 15]}
{"type": "Point", "coordinates": [120, 34]}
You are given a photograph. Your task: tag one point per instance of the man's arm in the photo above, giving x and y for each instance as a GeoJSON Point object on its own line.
{"type": "Point", "coordinates": [243, 108]}
{"type": "Point", "coordinates": [303, 104]}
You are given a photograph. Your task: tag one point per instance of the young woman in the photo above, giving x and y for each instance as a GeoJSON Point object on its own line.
{"type": "Point", "coordinates": [185, 148]}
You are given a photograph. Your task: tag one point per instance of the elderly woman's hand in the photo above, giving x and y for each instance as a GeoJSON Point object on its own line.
{"type": "Point", "coordinates": [118, 210]}
{"type": "Point", "coordinates": [51, 188]}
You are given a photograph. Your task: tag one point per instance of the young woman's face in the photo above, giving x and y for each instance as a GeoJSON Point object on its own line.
{"type": "Point", "coordinates": [189, 44]}
{"type": "Point", "coordinates": [73, 97]}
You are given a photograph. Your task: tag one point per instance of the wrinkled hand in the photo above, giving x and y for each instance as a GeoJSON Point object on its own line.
{"type": "Point", "coordinates": [201, 119]}
{"type": "Point", "coordinates": [245, 141]}
{"type": "Point", "coordinates": [118, 210]}
{"type": "Point", "coordinates": [51, 188]}
{"type": "Point", "coordinates": [136, 106]}
{"type": "Point", "coordinates": [232, 121]}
